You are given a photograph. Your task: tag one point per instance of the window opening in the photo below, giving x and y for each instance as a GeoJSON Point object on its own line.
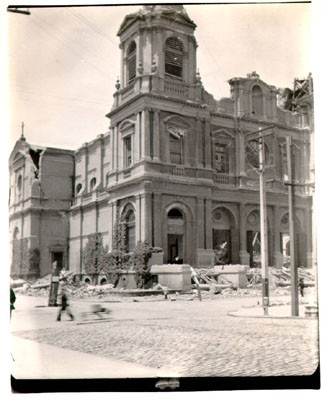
{"type": "Point", "coordinates": [127, 151]}
{"type": "Point", "coordinates": [78, 188]}
{"type": "Point", "coordinates": [176, 150]}
{"type": "Point", "coordinates": [221, 163]}
{"type": "Point", "coordinates": [173, 57]}
{"type": "Point", "coordinates": [92, 183]}
{"type": "Point", "coordinates": [131, 62]}
{"type": "Point", "coordinates": [257, 101]}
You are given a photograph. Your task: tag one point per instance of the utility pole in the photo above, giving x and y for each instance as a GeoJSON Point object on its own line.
{"type": "Point", "coordinates": [259, 136]}
{"type": "Point", "coordinates": [294, 272]}
{"type": "Point", "coordinates": [263, 226]}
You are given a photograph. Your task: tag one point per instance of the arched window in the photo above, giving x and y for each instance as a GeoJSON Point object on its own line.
{"type": "Point", "coordinates": [16, 233]}
{"type": "Point", "coordinates": [19, 183]}
{"type": "Point", "coordinates": [173, 57]}
{"type": "Point", "coordinates": [175, 213]}
{"type": "Point", "coordinates": [176, 149]}
{"type": "Point", "coordinates": [131, 62]}
{"type": "Point", "coordinates": [92, 183]}
{"type": "Point", "coordinates": [130, 231]}
{"type": "Point", "coordinates": [78, 188]}
{"type": "Point", "coordinates": [257, 101]}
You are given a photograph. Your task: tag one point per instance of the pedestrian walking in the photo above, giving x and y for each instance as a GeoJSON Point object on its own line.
{"type": "Point", "coordinates": [65, 306]}
{"type": "Point", "coordinates": [301, 286]}
{"type": "Point", "coordinates": [12, 300]}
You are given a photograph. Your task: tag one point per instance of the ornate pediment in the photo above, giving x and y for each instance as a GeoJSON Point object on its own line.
{"type": "Point", "coordinates": [222, 133]}
{"type": "Point", "coordinates": [177, 131]}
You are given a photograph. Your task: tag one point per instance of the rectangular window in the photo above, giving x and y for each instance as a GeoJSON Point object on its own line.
{"type": "Point", "coordinates": [175, 151]}
{"type": "Point", "coordinates": [221, 159]}
{"type": "Point", "coordinates": [127, 151]}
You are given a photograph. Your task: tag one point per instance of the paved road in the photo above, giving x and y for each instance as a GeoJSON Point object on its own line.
{"type": "Point", "coordinates": [190, 337]}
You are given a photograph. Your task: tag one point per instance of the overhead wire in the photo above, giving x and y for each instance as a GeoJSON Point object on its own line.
{"type": "Point", "coordinates": [95, 53]}
{"type": "Point", "coordinates": [51, 34]}
{"type": "Point", "coordinates": [40, 92]}
{"type": "Point", "coordinates": [94, 28]}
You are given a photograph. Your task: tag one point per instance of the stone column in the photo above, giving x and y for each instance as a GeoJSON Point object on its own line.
{"type": "Point", "coordinates": [146, 134]}
{"type": "Point", "coordinates": [102, 149]}
{"type": "Point", "coordinates": [112, 148]}
{"type": "Point", "coordinates": [243, 255]}
{"type": "Point", "coordinates": [242, 155]}
{"type": "Point", "coordinates": [136, 140]}
{"type": "Point", "coordinates": [207, 144]}
{"type": "Point", "coordinates": [166, 142]}
{"type": "Point", "coordinates": [146, 217]}
{"type": "Point", "coordinates": [278, 256]}
{"type": "Point", "coordinates": [204, 251]}
{"type": "Point", "coordinates": [199, 147]}
{"type": "Point", "coordinates": [110, 225]}
{"type": "Point", "coordinates": [157, 215]}
{"type": "Point", "coordinates": [138, 217]}
{"type": "Point", "coordinates": [86, 167]}
{"type": "Point", "coordinates": [200, 224]}
{"type": "Point", "coordinates": [208, 222]}
{"type": "Point", "coordinates": [156, 135]}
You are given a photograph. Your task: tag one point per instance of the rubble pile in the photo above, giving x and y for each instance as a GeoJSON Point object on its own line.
{"type": "Point", "coordinates": [279, 281]}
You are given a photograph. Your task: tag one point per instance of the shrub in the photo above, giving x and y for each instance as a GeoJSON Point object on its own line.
{"type": "Point", "coordinates": [139, 259]}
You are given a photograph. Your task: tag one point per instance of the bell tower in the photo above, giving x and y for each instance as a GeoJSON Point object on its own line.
{"type": "Point", "coordinates": [157, 43]}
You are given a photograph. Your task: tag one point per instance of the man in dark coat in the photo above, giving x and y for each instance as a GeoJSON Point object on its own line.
{"type": "Point", "coordinates": [12, 300]}
{"type": "Point", "coordinates": [64, 306]}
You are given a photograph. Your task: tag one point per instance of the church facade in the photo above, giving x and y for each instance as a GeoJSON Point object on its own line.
{"type": "Point", "coordinates": [176, 165]}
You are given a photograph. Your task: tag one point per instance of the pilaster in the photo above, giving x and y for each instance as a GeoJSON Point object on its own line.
{"type": "Point", "coordinates": [278, 257]}
{"type": "Point", "coordinates": [156, 135]}
{"type": "Point", "coordinates": [243, 255]}
{"type": "Point", "coordinates": [207, 144]}
{"type": "Point", "coordinates": [146, 134]}
{"type": "Point", "coordinates": [199, 147]}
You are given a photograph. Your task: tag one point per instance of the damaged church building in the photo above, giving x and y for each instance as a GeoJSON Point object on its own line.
{"type": "Point", "coordinates": [176, 165]}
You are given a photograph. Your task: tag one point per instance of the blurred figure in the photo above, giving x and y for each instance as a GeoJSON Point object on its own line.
{"type": "Point", "coordinates": [65, 306]}
{"type": "Point", "coordinates": [301, 286]}
{"type": "Point", "coordinates": [12, 300]}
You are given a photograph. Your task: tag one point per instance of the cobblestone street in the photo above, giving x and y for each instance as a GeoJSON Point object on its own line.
{"type": "Point", "coordinates": [193, 338]}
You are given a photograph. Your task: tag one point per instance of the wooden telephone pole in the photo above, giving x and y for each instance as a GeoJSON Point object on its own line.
{"type": "Point", "coordinates": [293, 260]}
{"type": "Point", "coordinates": [258, 136]}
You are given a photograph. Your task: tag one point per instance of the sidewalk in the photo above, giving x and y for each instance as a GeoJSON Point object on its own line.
{"type": "Point", "coordinates": [33, 360]}
{"type": "Point", "coordinates": [276, 311]}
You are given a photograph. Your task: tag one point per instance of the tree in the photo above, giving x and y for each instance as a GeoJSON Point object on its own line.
{"type": "Point", "coordinates": [140, 258]}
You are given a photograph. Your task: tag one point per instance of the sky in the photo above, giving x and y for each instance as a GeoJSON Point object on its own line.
{"type": "Point", "coordinates": [63, 62]}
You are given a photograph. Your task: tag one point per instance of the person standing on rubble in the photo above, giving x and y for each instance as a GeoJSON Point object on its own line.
{"type": "Point", "coordinates": [65, 306]}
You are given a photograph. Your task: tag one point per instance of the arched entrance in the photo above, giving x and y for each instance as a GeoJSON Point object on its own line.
{"type": "Point", "coordinates": [128, 217]}
{"type": "Point", "coordinates": [175, 228]}
{"type": "Point", "coordinates": [223, 235]}
{"type": "Point", "coordinates": [254, 239]}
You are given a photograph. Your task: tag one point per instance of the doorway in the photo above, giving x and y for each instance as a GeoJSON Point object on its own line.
{"type": "Point", "coordinates": [254, 248]}
{"type": "Point", "coordinates": [175, 249]}
{"type": "Point", "coordinates": [58, 256]}
{"type": "Point", "coordinates": [222, 245]}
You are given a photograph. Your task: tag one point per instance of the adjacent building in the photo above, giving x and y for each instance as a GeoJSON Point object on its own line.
{"type": "Point", "coordinates": [176, 165]}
